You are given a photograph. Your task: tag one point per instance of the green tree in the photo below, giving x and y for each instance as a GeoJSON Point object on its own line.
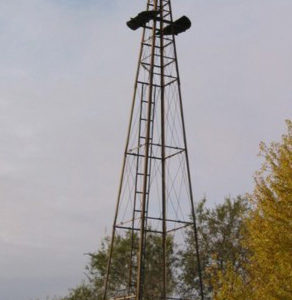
{"type": "Point", "coordinates": [82, 292]}
{"type": "Point", "coordinates": [96, 269]}
{"type": "Point", "coordinates": [219, 233]}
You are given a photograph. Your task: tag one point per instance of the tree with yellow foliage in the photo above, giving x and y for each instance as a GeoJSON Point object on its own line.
{"type": "Point", "coordinates": [268, 236]}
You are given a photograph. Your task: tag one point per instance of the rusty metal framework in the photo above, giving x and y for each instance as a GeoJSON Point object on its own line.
{"type": "Point", "coordinates": [155, 195]}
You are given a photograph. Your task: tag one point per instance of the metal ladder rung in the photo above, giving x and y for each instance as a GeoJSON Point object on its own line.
{"type": "Point", "coordinates": [145, 101]}
{"type": "Point", "coordinates": [157, 66]}
{"type": "Point", "coordinates": [149, 45]}
{"type": "Point", "coordinates": [168, 76]}
{"type": "Point", "coordinates": [143, 119]}
{"type": "Point", "coordinates": [149, 65]}
{"type": "Point", "coordinates": [142, 155]}
{"type": "Point", "coordinates": [165, 56]}
{"type": "Point", "coordinates": [139, 192]}
{"type": "Point", "coordinates": [147, 83]}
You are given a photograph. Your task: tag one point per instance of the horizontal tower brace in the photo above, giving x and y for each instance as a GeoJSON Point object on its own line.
{"type": "Point", "coordinates": [138, 229]}
{"type": "Point", "coordinates": [141, 155]}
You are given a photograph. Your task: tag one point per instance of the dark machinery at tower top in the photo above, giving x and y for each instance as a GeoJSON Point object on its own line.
{"type": "Point", "coordinates": [142, 19]}
{"type": "Point", "coordinates": [180, 25]}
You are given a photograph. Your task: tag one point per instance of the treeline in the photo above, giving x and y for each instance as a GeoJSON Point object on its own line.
{"type": "Point", "coordinates": [245, 244]}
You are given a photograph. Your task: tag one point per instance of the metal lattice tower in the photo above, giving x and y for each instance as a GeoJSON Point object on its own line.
{"type": "Point", "coordinates": [155, 194]}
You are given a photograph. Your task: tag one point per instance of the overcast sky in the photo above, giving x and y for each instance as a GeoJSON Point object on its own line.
{"type": "Point", "coordinates": [66, 78]}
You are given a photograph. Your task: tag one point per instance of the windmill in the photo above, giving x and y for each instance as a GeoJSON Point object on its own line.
{"type": "Point", "coordinates": [155, 197]}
